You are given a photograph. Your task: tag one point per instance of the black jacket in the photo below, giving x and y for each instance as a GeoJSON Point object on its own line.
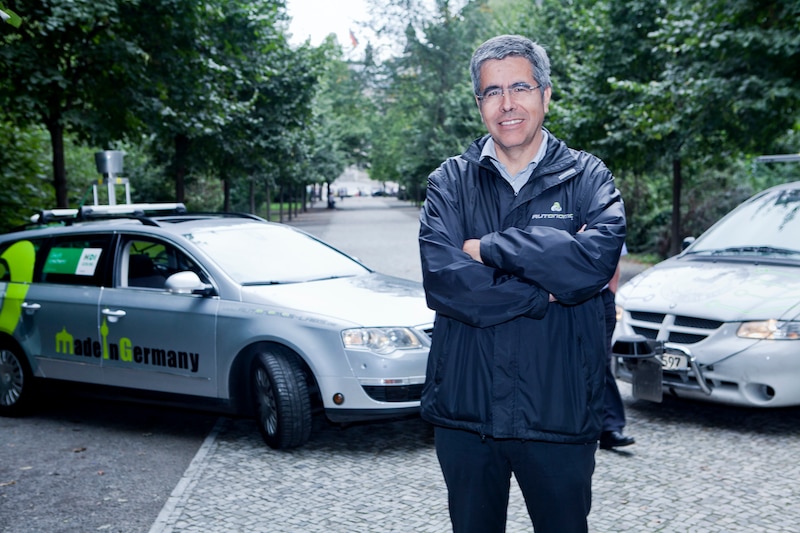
{"type": "Point", "coordinates": [504, 361]}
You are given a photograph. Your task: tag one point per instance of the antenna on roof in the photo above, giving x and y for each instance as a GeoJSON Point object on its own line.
{"type": "Point", "coordinates": [109, 164]}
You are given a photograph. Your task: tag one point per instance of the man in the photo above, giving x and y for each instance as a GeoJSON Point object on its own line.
{"type": "Point", "coordinates": [515, 374]}
{"type": "Point", "coordinates": [613, 435]}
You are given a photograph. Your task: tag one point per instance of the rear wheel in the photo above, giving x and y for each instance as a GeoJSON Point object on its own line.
{"type": "Point", "coordinates": [282, 403]}
{"type": "Point", "coordinates": [16, 382]}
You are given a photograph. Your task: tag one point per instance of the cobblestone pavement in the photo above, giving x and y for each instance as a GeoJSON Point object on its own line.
{"type": "Point", "coordinates": [694, 468]}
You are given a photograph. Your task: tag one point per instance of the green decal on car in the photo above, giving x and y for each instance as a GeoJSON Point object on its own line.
{"type": "Point", "coordinates": [125, 350]}
{"type": "Point", "coordinates": [19, 259]}
{"type": "Point", "coordinates": [64, 342]}
{"type": "Point", "coordinates": [80, 261]}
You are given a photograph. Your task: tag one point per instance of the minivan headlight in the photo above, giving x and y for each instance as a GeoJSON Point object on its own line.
{"type": "Point", "coordinates": [779, 330]}
{"type": "Point", "coordinates": [380, 340]}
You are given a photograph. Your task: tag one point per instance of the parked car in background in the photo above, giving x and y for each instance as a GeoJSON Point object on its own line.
{"type": "Point", "coordinates": [727, 308]}
{"type": "Point", "coordinates": [223, 311]}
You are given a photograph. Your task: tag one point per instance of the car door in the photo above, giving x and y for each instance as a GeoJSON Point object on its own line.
{"type": "Point", "coordinates": [58, 323]}
{"type": "Point", "coordinates": [154, 339]}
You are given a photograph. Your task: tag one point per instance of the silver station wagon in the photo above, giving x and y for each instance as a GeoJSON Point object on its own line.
{"type": "Point", "coordinates": [251, 317]}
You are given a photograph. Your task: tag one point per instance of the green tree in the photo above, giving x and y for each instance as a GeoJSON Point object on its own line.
{"type": "Point", "coordinates": [23, 171]}
{"type": "Point", "coordinates": [203, 63]}
{"type": "Point", "coordinates": [341, 132]}
{"type": "Point", "coordinates": [426, 108]}
{"type": "Point", "coordinates": [213, 82]}
{"type": "Point", "coordinates": [60, 64]}
{"type": "Point", "coordinates": [681, 89]}
{"type": "Point", "coordinates": [727, 87]}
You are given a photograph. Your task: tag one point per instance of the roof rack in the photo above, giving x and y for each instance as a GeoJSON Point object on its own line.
{"type": "Point", "coordinates": [216, 214]}
{"type": "Point", "coordinates": [779, 158]}
{"type": "Point", "coordinates": [93, 212]}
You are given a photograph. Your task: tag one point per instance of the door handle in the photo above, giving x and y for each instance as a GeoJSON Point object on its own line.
{"type": "Point", "coordinates": [30, 308]}
{"type": "Point", "coordinates": [113, 316]}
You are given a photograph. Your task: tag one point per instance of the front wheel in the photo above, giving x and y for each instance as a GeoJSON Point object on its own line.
{"type": "Point", "coordinates": [282, 403]}
{"type": "Point", "coordinates": [16, 382]}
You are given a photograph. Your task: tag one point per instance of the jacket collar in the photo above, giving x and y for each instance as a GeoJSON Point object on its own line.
{"type": "Point", "coordinates": [558, 160]}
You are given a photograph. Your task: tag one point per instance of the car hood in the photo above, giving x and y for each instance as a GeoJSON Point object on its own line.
{"type": "Point", "coordinates": [369, 300]}
{"type": "Point", "coordinates": [728, 292]}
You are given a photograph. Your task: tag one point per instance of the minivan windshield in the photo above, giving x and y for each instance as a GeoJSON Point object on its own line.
{"type": "Point", "coordinates": [768, 224]}
{"type": "Point", "coordinates": [265, 254]}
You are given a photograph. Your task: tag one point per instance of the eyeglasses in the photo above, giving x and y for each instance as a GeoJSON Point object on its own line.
{"type": "Point", "coordinates": [516, 91]}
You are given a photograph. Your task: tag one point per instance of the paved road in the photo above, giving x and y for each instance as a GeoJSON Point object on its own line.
{"type": "Point", "coordinates": [83, 464]}
{"type": "Point", "coordinates": [695, 467]}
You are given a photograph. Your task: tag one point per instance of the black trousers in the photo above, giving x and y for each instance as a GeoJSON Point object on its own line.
{"type": "Point", "coordinates": [555, 479]}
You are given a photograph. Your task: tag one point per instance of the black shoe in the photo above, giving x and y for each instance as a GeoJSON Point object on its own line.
{"type": "Point", "coordinates": [614, 439]}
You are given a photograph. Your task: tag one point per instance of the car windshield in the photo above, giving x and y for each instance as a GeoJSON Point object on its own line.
{"type": "Point", "coordinates": [265, 254]}
{"type": "Point", "coordinates": [769, 225]}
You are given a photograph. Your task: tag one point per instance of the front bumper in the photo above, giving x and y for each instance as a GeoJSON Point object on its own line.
{"type": "Point", "coordinates": [763, 376]}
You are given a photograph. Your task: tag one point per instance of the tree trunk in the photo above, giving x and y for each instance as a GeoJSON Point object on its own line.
{"type": "Point", "coordinates": [280, 203]}
{"type": "Point", "coordinates": [56, 131]}
{"type": "Point", "coordinates": [226, 194]}
{"type": "Point", "coordinates": [675, 240]}
{"type": "Point", "coordinates": [181, 156]}
{"type": "Point", "coordinates": [252, 195]}
{"type": "Point", "coordinates": [268, 192]}
{"type": "Point", "coordinates": [291, 203]}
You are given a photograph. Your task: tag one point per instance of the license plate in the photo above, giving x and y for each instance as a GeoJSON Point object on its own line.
{"type": "Point", "coordinates": [674, 361]}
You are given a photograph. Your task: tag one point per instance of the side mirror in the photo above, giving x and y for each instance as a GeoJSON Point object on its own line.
{"type": "Point", "coordinates": [187, 283]}
{"type": "Point", "coordinates": [686, 243]}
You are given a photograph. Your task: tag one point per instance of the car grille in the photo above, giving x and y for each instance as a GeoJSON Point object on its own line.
{"type": "Point", "coordinates": [672, 328]}
{"type": "Point", "coordinates": [402, 393]}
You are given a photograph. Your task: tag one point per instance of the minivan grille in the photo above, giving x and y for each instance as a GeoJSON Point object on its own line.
{"type": "Point", "coordinates": [694, 322]}
{"type": "Point", "coordinates": [673, 328]}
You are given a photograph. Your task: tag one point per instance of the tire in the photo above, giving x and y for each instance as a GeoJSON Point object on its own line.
{"type": "Point", "coordinates": [16, 382]}
{"type": "Point", "coordinates": [281, 399]}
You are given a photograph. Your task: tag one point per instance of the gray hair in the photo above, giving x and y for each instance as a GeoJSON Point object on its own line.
{"type": "Point", "coordinates": [503, 46]}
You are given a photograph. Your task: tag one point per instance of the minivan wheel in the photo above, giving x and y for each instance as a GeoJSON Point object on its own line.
{"type": "Point", "coordinates": [16, 383]}
{"type": "Point", "coordinates": [282, 403]}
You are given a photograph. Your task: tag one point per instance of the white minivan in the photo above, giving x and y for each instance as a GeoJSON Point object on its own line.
{"type": "Point", "coordinates": [726, 311]}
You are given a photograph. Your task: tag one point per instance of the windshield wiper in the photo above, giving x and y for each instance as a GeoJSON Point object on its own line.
{"type": "Point", "coordinates": [334, 276]}
{"type": "Point", "coordinates": [757, 250]}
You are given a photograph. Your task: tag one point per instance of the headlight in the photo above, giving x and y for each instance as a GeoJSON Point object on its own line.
{"type": "Point", "coordinates": [380, 340]}
{"type": "Point", "coordinates": [770, 329]}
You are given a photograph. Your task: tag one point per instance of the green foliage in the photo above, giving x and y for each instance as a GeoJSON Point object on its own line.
{"type": "Point", "coordinates": [341, 131]}
{"type": "Point", "coordinates": [212, 106]}
{"type": "Point", "coordinates": [65, 66]}
{"type": "Point", "coordinates": [642, 83]}
{"type": "Point", "coordinates": [425, 108]}
{"type": "Point", "coordinates": [24, 173]}
{"type": "Point", "coordinates": [213, 87]}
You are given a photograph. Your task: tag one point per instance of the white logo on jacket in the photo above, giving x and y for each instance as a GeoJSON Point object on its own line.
{"type": "Point", "coordinates": [541, 216]}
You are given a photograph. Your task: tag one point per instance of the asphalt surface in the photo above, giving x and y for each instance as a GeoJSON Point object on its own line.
{"type": "Point", "coordinates": [83, 465]}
